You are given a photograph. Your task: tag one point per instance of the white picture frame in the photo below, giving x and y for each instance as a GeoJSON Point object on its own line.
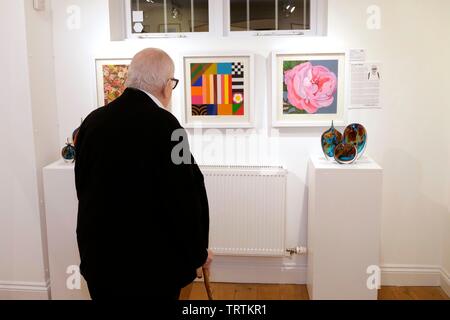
{"type": "Point", "coordinates": [279, 118]}
{"type": "Point", "coordinates": [247, 119]}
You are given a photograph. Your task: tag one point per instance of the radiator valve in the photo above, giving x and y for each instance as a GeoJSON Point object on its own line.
{"type": "Point", "coordinates": [297, 250]}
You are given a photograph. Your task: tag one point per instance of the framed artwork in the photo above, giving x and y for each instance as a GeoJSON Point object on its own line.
{"type": "Point", "coordinates": [111, 76]}
{"type": "Point", "coordinates": [308, 89]}
{"type": "Point", "coordinates": [218, 91]}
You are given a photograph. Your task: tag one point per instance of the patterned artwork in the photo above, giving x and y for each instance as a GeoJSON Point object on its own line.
{"type": "Point", "coordinates": [111, 78]}
{"type": "Point", "coordinates": [217, 89]}
{"type": "Point", "coordinates": [114, 77]}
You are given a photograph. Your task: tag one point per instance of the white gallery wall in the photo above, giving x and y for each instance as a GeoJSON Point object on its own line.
{"type": "Point", "coordinates": [405, 137]}
{"type": "Point", "coordinates": [413, 46]}
{"type": "Point", "coordinates": [43, 100]}
{"type": "Point", "coordinates": [22, 265]}
{"type": "Point", "coordinates": [446, 224]}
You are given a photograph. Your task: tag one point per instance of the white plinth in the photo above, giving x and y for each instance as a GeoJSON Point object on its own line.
{"type": "Point", "coordinates": [344, 219]}
{"type": "Point", "coordinates": [61, 205]}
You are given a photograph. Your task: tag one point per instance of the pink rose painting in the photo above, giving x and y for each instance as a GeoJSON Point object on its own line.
{"type": "Point", "coordinates": [310, 87]}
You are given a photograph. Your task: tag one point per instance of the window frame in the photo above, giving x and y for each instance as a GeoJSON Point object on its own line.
{"type": "Point", "coordinates": [219, 23]}
{"type": "Point", "coordinates": [318, 22]}
{"type": "Point", "coordinates": [131, 35]}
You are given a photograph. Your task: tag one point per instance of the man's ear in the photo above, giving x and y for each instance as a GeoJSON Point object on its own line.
{"type": "Point", "coordinates": [167, 90]}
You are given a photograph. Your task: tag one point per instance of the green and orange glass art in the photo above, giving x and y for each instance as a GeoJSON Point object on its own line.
{"type": "Point", "coordinates": [330, 139]}
{"type": "Point", "coordinates": [68, 152]}
{"type": "Point", "coordinates": [345, 153]}
{"type": "Point", "coordinates": [356, 134]}
{"type": "Point", "coordinates": [344, 148]}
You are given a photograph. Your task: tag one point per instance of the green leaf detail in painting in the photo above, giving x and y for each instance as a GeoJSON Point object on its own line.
{"type": "Point", "coordinates": [288, 65]}
{"type": "Point", "coordinates": [288, 109]}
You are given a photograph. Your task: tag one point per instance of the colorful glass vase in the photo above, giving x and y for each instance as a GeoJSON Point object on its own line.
{"type": "Point", "coordinates": [75, 134]}
{"type": "Point", "coordinates": [346, 153]}
{"type": "Point", "coordinates": [356, 134]}
{"type": "Point", "coordinates": [330, 139]}
{"type": "Point", "coordinates": [68, 152]}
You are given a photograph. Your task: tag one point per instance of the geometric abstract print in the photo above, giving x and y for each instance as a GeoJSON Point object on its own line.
{"type": "Point", "coordinates": [217, 89]}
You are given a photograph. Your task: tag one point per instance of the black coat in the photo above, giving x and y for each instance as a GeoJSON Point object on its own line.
{"type": "Point", "coordinates": [142, 219]}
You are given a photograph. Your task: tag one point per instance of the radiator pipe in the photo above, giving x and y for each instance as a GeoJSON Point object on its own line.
{"type": "Point", "coordinates": [297, 250]}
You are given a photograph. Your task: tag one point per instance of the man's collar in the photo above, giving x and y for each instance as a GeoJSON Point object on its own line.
{"type": "Point", "coordinates": [155, 99]}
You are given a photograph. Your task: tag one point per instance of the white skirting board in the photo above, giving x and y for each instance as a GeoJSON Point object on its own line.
{"type": "Point", "coordinates": [411, 275]}
{"type": "Point", "coordinates": [291, 273]}
{"type": "Point", "coordinates": [275, 272]}
{"type": "Point", "coordinates": [24, 290]}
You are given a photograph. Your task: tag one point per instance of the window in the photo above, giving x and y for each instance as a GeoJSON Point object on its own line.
{"type": "Point", "coordinates": [167, 16]}
{"type": "Point", "coordinates": [276, 16]}
{"type": "Point", "coordinates": [178, 18]}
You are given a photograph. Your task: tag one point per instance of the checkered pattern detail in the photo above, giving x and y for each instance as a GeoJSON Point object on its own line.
{"type": "Point", "coordinates": [238, 69]}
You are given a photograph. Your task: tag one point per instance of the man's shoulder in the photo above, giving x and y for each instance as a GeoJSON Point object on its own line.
{"type": "Point", "coordinates": [170, 120]}
{"type": "Point", "coordinates": [147, 107]}
{"type": "Point", "coordinates": [91, 121]}
{"type": "Point", "coordinates": [155, 117]}
{"type": "Point", "coordinates": [95, 115]}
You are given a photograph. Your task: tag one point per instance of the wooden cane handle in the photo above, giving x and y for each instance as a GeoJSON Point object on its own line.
{"type": "Point", "coordinates": [207, 284]}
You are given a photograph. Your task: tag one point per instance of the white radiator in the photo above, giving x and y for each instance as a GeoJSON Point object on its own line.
{"type": "Point", "coordinates": [247, 210]}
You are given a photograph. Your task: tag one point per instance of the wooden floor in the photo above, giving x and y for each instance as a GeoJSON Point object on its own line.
{"type": "Point", "coordinates": [230, 291]}
{"type": "Point", "coordinates": [412, 293]}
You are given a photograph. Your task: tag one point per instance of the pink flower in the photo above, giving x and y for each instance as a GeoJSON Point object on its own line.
{"type": "Point", "coordinates": [310, 87]}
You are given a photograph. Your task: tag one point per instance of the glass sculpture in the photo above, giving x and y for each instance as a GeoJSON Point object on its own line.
{"type": "Point", "coordinates": [346, 153]}
{"type": "Point", "coordinates": [346, 148]}
{"type": "Point", "coordinates": [68, 152]}
{"type": "Point", "coordinates": [330, 139]}
{"type": "Point", "coordinates": [356, 134]}
{"type": "Point", "coordinates": [75, 134]}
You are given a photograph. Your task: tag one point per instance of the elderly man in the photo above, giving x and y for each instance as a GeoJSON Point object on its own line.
{"type": "Point", "coordinates": [143, 219]}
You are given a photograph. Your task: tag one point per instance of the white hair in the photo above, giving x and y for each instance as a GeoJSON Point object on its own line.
{"type": "Point", "coordinates": [150, 70]}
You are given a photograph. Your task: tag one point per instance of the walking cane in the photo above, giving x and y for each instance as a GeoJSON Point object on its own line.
{"type": "Point", "coordinates": [203, 273]}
